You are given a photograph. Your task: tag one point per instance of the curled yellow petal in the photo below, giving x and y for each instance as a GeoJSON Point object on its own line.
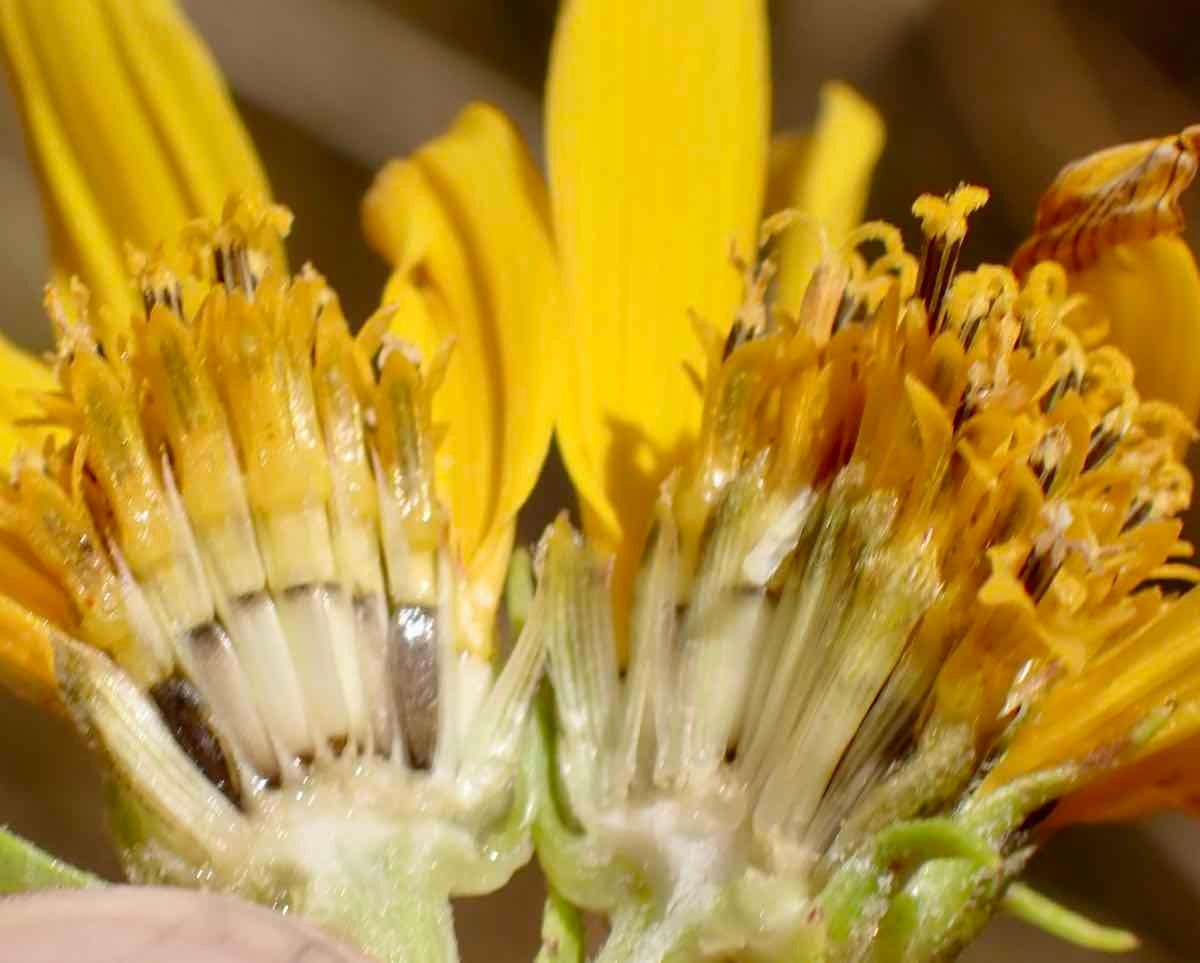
{"type": "Point", "coordinates": [1150, 292]}
{"type": "Point", "coordinates": [1112, 220]}
{"type": "Point", "coordinates": [656, 128]}
{"type": "Point", "coordinates": [130, 127]}
{"type": "Point", "coordinates": [826, 177]}
{"type": "Point", "coordinates": [22, 377]}
{"type": "Point", "coordinates": [464, 224]}
{"type": "Point", "coordinates": [1119, 195]}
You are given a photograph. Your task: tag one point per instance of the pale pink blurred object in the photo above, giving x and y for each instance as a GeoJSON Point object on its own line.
{"type": "Point", "coordinates": [130, 924]}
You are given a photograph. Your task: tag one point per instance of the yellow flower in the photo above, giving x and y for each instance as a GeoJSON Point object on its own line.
{"type": "Point", "coordinates": [910, 513]}
{"type": "Point", "coordinates": [246, 549]}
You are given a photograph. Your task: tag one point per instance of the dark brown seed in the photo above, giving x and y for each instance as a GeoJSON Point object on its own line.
{"type": "Point", "coordinates": [187, 718]}
{"type": "Point", "coordinates": [413, 666]}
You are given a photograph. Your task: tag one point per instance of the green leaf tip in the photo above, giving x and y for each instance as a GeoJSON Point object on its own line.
{"type": "Point", "coordinates": [1032, 907]}
{"type": "Point", "coordinates": [25, 867]}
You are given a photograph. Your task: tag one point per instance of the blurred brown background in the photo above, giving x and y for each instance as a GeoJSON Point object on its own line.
{"type": "Point", "coordinates": [998, 93]}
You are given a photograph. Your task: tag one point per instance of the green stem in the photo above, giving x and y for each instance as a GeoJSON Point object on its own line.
{"type": "Point", "coordinates": [1031, 906]}
{"type": "Point", "coordinates": [562, 932]}
{"type": "Point", "coordinates": [571, 862]}
{"type": "Point", "coordinates": [24, 867]}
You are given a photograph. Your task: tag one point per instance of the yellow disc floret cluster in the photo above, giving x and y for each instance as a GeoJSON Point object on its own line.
{"type": "Point", "coordinates": [237, 503]}
{"type": "Point", "coordinates": [914, 510]}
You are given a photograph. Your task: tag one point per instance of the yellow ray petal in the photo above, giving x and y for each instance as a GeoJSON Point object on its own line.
{"type": "Point", "coordinates": [464, 223]}
{"type": "Point", "coordinates": [26, 657]}
{"type": "Point", "coordinates": [789, 153]}
{"type": "Point", "coordinates": [1150, 291]}
{"type": "Point", "coordinates": [826, 177]}
{"type": "Point", "coordinates": [1092, 717]}
{"type": "Point", "coordinates": [1165, 777]}
{"type": "Point", "coordinates": [130, 127]}
{"type": "Point", "coordinates": [22, 377]}
{"type": "Point", "coordinates": [656, 126]}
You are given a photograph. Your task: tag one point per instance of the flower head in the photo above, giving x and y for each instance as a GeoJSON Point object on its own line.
{"type": "Point", "coordinates": [913, 511]}
{"type": "Point", "coordinates": [241, 546]}
{"type": "Point", "coordinates": [913, 514]}
{"type": "Point", "coordinates": [240, 562]}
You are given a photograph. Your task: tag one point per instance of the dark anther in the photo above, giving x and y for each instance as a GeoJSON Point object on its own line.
{"type": "Point", "coordinates": [232, 264]}
{"type": "Point", "coordinates": [738, 335]}
{"type": "Point", "coordinates": [970, 328]}
{"type": "Point", "coordinates": [1037, 573]}
{"type": "Point", "coordinates": [413, 667]}
{"type": "Point", "coordinates": [1067, 383]}
{"type": "Point", "coordinates": [931, 258]}
{"type": "Point", "coordinates": [1045, 473]}
{"type": "Point", "coordinates": [1102, 444]}
{"type": "Point", "coordinates": [170, 296]}
{"type": "Point", "coordinates": [967, 407]}
{"type": "Point", "coordinates": [186, 716]}
{"type": "Point", "coordinates": [1139, 512]}
{"type": "Point", "coordinates": [938, 261]}
{"type": "Point", "coordinates": [1047, 456]}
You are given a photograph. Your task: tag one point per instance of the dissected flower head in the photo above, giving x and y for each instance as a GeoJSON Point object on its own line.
{"type": "Point", "coordinates": [914, 509]}
{"type": "Point", "coordinates": [237, 554]}
{"type": "Point", "coordinates": [896, 580]}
